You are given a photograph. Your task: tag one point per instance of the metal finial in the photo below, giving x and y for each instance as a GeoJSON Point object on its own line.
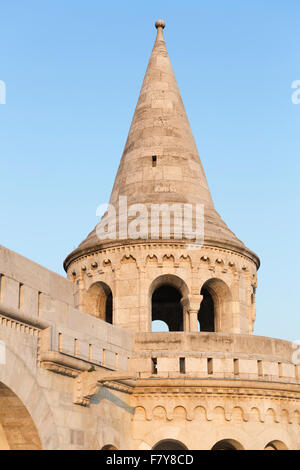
{"type": "Point", "coordinates": [160, 24]}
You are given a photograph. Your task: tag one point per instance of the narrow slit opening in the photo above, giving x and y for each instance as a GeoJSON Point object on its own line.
{"type": "Point", "coordinates": [60, 342]}
{"type": "Point", "coordinates": [154, 365]}
{"type": "Point", "coordinates": [259, 368]}
{"type": "Point", "coordinates": [236, 367]}
{"type": "Point", "coordinates": [210, 365]}
{"type": "Point", "coordinates": [21, 297]}
{"type": "Point", "coordinates": [1, 287]}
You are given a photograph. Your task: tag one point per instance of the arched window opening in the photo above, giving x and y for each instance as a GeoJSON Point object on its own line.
{"type": "Point", "coordinates": [109, 447]}
{"type": "Point", "coordinates": [109, 309]}
{"type": "Point", "coordinates": [166, 307]}
{"type": "Point", "coordinates": [227, 444]}
{"type": "Point", "coordinates": [169, 444]}
{"type": "Point", "coordinates": [215, 313]}
{"type": "Point", "coordinates": [99, 302]}
{"type": "Point", "coordinates": [206, 314]}
{"type": "Point", "coordinates": [276, 445]}
{"type": "Point", "coordinates": [159, 326]}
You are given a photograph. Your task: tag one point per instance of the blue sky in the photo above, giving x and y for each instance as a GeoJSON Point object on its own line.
{"type": "Point", "coordinates": [73, 71]}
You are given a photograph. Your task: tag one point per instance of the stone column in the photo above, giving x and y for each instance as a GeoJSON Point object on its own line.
{"type": "Point", "coordinates": [185, 311]}
{"type": "Point", "coordinates": [195, 302]}
{"type": "Point", "coordinates": [193, 320]}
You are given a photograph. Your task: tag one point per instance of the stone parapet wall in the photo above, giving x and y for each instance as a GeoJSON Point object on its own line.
{"type": "Point", "coordinates": [214, 355]}
{"type": "Point", "coordinates": [37, 302]}
{"type": "Point", "coordinates": [17, 269]}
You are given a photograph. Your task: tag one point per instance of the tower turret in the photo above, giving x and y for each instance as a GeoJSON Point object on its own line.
{"type": "Point", "coordinates": [141, 263]}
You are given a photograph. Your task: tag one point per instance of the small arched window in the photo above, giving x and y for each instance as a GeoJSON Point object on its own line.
{"type": "Point", "coordinates": [99, 301]}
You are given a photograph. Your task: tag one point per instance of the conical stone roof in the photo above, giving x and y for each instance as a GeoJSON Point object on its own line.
{"type": "Point", "coordinates": [160, 163]}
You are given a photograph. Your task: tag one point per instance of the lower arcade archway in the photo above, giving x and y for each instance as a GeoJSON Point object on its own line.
{"type": "Point", "coordinates": [169, 444]}
{"type": "Point", "coordinates": [17, 429]}
{"type": "Point", "coordinates": [227, 444]}
{"type": "Point", "coordinates": [276, 445]}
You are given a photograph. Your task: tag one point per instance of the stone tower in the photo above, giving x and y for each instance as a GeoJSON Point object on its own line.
{"type": "Point", "coordinates": [206, 383]}
{"type": "Point", "coordinates": [82, 365]}
{"type": "Point", "coordinates": [153, 275]}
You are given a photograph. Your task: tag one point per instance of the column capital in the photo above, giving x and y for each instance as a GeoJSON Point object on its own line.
{"type": "Point", "coordinates": [195, 302]}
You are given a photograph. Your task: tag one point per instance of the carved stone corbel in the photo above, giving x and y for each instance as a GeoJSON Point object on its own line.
{"type": "Point", "coordinates": [87, 384]}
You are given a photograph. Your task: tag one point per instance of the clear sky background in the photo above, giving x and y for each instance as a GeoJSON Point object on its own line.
{"type": "Point", "coordinates": [73, 71]}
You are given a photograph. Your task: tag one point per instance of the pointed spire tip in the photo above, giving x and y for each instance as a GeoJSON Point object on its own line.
{"type": "Point", "coordinates": [160, 24]}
